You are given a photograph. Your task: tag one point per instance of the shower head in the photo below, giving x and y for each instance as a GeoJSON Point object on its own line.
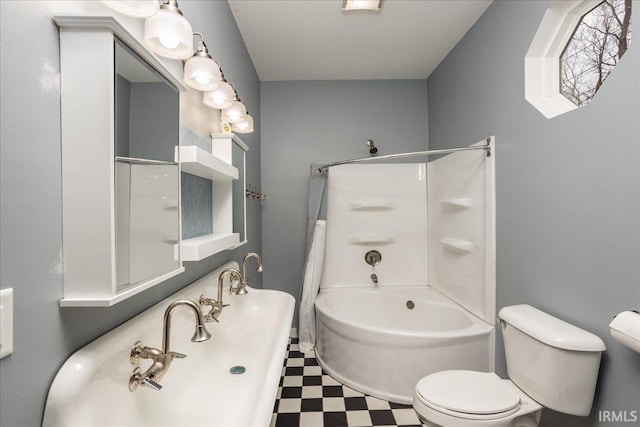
{"type": "Point", "coordinates": [372, 148]}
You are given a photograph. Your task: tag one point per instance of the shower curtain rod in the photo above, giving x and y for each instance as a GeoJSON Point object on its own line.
{"type": "Point", "coordinates": [324, 168]}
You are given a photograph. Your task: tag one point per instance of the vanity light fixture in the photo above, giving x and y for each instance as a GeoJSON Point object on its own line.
{"type": "Point", "coordinates": [236, 112]}
{"type": "Point", "coordinates": [168, 33]}
{"type": "Point", "coordinates": [201, 72]}
{"type": "Point", "coordinates": [135, 8]}
{"type": "Point", "coordinates": [350, 5]}
{"type": "Point", "coordinates": [220, 98]}
{"type": "Point", "coordinates": [245, 126]}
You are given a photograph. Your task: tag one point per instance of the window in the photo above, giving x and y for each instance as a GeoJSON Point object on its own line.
{"type": "Point", "coordinates": [575, 48]}
{"type": "Point", "coordinates": [596, 46]}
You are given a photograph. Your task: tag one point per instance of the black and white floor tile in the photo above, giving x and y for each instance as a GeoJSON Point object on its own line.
{"type": "Point", "coordinates": [308, 397]}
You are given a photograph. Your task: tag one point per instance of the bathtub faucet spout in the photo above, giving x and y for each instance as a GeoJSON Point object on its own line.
{"type": "Point", "coordinates": [374, 278]}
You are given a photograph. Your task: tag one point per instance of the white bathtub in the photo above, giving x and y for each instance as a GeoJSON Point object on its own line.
{"type": "Point", "coordinates": [369, 340]}
{"type": "Point", "coordinates": [91, 388]}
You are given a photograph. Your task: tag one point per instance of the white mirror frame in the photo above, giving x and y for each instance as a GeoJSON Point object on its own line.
{"type": "Point", "coordinates": [88, 133]}
{"type": "Point", "coordinates": [542, 61]}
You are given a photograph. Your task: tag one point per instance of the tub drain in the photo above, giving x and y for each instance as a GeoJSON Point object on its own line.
{"type": "Point", "coordinates": [410, 305]}
{"type": "Point", "coordinates": [237, 370]}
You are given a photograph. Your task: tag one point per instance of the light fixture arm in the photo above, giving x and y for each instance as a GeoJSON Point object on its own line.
{"type": "Point", "coordinates": [171, 5]}
{"type": "Point", "coordinates": [202, 48]}
{"type": "Point", "coordinates": [235, 92]}
{"type": "Point", "coordinates": [221, 72]}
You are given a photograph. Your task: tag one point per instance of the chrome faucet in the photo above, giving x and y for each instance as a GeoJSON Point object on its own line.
{"type": "Point", "coordinates": [242, 287]}
{"type": "Point", "coordinates": [162, 358]}
{"type": "Point", "coordinates": [374, 278]}
{"type": "Point", "coordinates": [216, 304]}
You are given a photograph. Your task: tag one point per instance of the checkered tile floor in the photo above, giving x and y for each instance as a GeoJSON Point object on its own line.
{"type": "Point", "coordinates": [308, 397]}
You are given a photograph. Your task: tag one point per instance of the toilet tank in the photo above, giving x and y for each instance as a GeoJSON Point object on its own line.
{"type": "Point", "coordinates": [552, 361]}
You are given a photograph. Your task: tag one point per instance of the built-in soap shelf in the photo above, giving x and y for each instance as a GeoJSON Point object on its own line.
{"type": "Point", "coordinates": [457, 203]}
{"type": "Point", "coordinates": [196, 161]}
{"type": "Point", "coordinates": [372, 240]}
{"type": "Point", "coordinates": [370, 205]}
{"type": "Point", "coordinates": [458, 245]}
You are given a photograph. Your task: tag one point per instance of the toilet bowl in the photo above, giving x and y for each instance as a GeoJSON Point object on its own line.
{"type": "Point", "coordinates": [469, 398]}
{"type": "Point", "coordinates": [550, 363]}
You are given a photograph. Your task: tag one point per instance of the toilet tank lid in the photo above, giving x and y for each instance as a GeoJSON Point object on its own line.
{"type": "Point", "coordinates": [550, 330]}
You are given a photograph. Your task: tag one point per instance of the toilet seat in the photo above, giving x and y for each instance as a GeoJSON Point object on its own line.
{"type": "Point", "coordinates": [468, 394]}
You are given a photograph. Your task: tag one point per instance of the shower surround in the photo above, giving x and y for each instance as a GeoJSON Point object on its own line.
{"type": "Point", "coordinates": [428, 303]}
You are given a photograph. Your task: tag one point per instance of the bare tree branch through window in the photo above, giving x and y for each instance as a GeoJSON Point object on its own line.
{"type": "Point", "coordinates": [599, 41]}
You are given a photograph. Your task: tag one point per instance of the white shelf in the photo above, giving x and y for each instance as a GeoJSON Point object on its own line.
{"type": "Point", "coordinates": [378, 240]}
{"type": "Point", "coordinates": [108, 301]}
{"type": "Point", "coordinates": [196, 161]}
{"type": "Point", "coordinates": [458, 203]}
{"type": "Point", "coordinates": [458, 245]}
{"type": "Point", "coordinates": [370, 205]}
{"type": "Point", "coordinates": [198, 248]}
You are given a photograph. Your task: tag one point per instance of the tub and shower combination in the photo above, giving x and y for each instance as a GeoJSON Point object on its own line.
{"type": "Point", "coordinates": [431, 306]}
{"type": "Point", "coordinates": [383, 348]}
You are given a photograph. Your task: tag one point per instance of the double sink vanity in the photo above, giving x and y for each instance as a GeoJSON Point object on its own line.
{"type": "Point", "coordinates": [149, 183]}
{"type": "Point", "coordinates": [228, 380]}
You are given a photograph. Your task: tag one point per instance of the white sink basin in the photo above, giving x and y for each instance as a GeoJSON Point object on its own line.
{"type": "Point", "coordinates": [91, 388]}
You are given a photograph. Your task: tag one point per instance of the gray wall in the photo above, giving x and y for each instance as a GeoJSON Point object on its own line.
{"type": "Point", "coordinates": [321, 122]}
{"type": "Point", "coordinates": [568, 188]}
{"type": "Point", "coordinates": [30, 200]}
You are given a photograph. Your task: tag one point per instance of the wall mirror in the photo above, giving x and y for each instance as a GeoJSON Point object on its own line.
{"type": "Point", "coordinates": [146, 176]}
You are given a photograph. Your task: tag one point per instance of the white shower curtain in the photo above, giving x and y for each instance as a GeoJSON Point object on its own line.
{"type": "Point", "coordinates": [313, 263]}
{"type": "Point", "coordinates": [310, 287]}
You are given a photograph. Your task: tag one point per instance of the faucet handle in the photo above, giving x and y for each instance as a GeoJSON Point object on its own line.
{"type": "Point", "coordinates": [148, 382]}
{"type": "Point", "coordinates": [136, 379]}
{"type": "Point", "coordinates": [202, 301]}
{"type": "Point", "coordinates": [211, 318]}
{"type": "Point", "coordinates": [177, 355]}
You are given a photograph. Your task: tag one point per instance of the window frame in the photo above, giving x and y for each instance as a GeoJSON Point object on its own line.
{"type": "Point", "coordinates": [542, 61]}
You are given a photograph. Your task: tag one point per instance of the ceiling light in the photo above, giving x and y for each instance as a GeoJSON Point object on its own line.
{"type": "Point", "coordinates": [168, 33]}
{"type": "Point", "coordinates": [137, 8]}
{"type": "Point", "coordinates": [201, 72]}
{"type": "Point", "coordinates": [349, 5]}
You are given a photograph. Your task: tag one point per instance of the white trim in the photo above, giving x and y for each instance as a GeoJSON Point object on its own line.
{"type": "Point", "coordinates": [84, 22]}
{"type": "Point", "coordinates": [120, 296]}
{"type": "Point", "coordinates": [542, 61]}
{"type": "Point", "coordinates": [88, 169]}
{"type": "Point", "coordinates": [201, 247]}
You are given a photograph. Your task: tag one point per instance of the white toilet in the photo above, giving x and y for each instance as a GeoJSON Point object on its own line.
{"type": "Point", "coordinates": [550, 363]}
